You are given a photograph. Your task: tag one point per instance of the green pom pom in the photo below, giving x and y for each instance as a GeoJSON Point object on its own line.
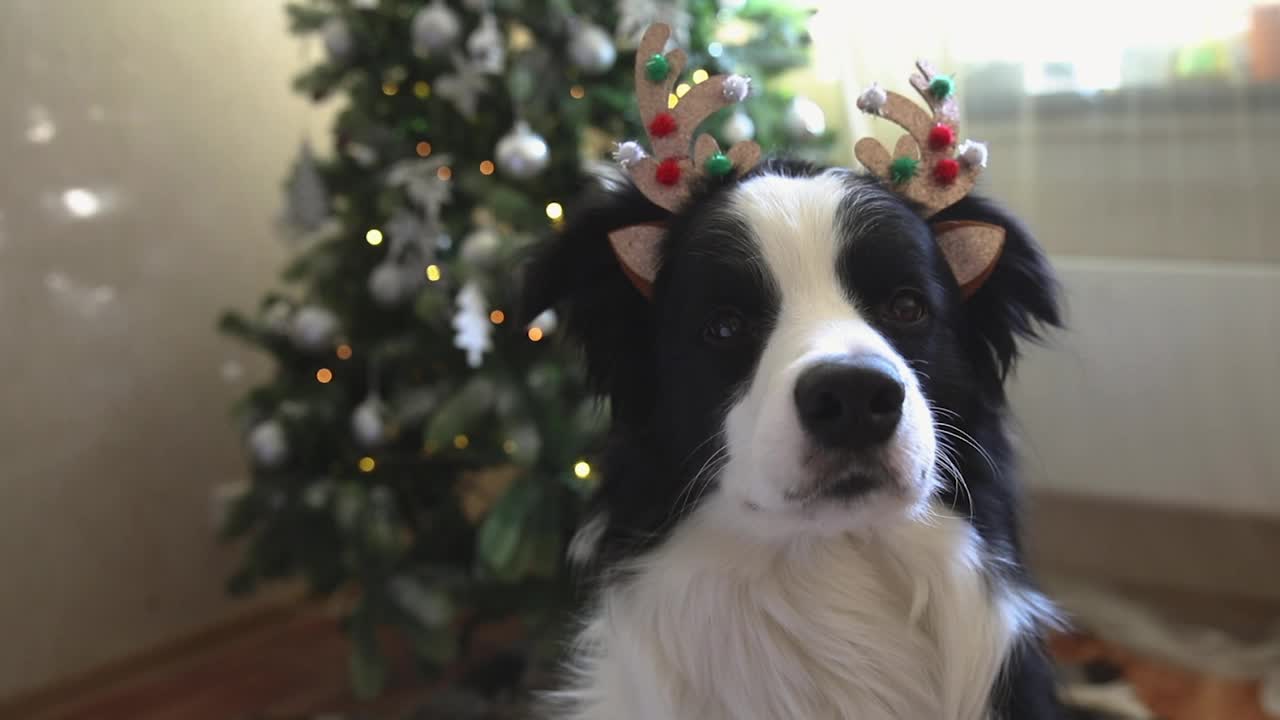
{"type": "Point", "coordinates": [719, 164]}
{"type": "Point", "coordinates": [942, 86]}
{"type": "Point", "coordinates": [903, 169]}
{"type": "Point", "coordinates": [657, 68]}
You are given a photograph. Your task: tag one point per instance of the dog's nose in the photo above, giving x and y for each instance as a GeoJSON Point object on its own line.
{"type": "Point", "coordinates": [851, 403]}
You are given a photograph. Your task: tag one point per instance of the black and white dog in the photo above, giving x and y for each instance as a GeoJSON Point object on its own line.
{"type": "Point", "coordinates": [809, 510]}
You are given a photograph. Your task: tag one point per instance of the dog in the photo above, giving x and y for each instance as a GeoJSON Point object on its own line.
{"type": "Point", "coordinates": [809, 508]}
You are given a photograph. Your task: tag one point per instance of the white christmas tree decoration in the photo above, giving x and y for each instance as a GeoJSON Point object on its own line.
{"type": "Point", "coordinates": [306, 207]}
{"type": "Point", "coordinates": [463, 86]}
{"type": "Point", "coordinates": [635, 16]}
{"type": "Point", "coordinates": [471, 324]}
{"type": "Point", "coordinates": [422, 183]}
{"type": "Point", "coordinates": [486, 46]}
{"type": "Point", "coordinates": [737, 87]}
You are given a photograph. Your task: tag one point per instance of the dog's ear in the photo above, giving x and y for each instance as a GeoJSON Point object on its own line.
{"type": "Point", "coordinates": [1015, 296]}
{"type": "Point", "coordinates": [603, 310]}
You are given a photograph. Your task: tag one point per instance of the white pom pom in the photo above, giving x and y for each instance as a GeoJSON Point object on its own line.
{"type": "Point", "coordinates": [872, 99]}
{"type": "Point", "coordinates": [628, 153]}
{"type": "Point", "coordinates": [973, 153]}
{"type": "Point", "coordinates": [737, 88]}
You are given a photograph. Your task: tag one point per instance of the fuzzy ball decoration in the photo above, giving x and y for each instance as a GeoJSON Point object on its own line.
{"type": "Point", "coordinates": [719, 164]}
{"type": "Point", "coordinates": [628, 153]}
{"type": "Point", "coordinates": [973, 153]}
{"type": "Point", "coordinates": [737, 88]}
{"type": "Point", "coordinates": [903, 169]}
{"type": "Point", "coordinates": [941, 136]}
{"type": "Point", "coordinates": [872, 99]}
{"type": "Point", "coordinates": [657, 68]}
{"type": "Point", "coordinates": [662, 125]}
{"type": "Point", "coordinates": [946, 170]}
{"type": "Point", "coordinates": [941, 87]}
{"type": "Point", "coordinates": [668, 172]}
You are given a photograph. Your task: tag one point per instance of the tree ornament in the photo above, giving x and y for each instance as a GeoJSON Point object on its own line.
{"type": "Point", "coordinates": [369, 422]}
{"type": "Point", "coordinates": [628, 153]}
{"type": "Point", "coordinates": [339, 43]}
{"type": "Point", "coordinates": [668, 172]}
{"type": "Point", "coordinates": [547, 321]}
{"type": "Point", "coordinates": [737, 88]}
{"type": "Point", "coordinates": [486, 47]}
{"type": "Point", "coordinates": [480, 247]}
{"type": "Point", "coordinates": [434, 27]}
{"type": "Point", "coordinates": [719, 164]}
{"type": "Point", "coordinates": [314, 329]}
{"type": "Point", "coordinates": [946, 170]}
{"type": "Point", "coordinates": [973, 153]}
{"type": "Point", "coordinates": [472, 329]}
{"type": "Point", "coordinates": [522, 153]}
{"type": "Point", "coordinates": [941, 136]}
{"type": "Point", "coordinates": [903, 169]}
{"type": "Point", "coordinates": [591, 49]}
{"type": "Point", "coordinates": [464, 86]}
{"type": "Point", "coordinates": [268, 444]}
{"type": "Point", "coordinates": [804, 119]}
{"type": "Point", "coordinates": [306, 198]}
{"type": "Point", "coordinates": [657, 67]}
{"type": "Point", "coordinates": [662, 125]}
{"type": "Point", "coordinates": [365, 4]}
{"type": "Point", "coordinates": [636, 16]}
{"type": "Point", "coordinates": [277, 318]}
{"type": "Point", "coordinates": [738, 128]}
{"type": "Point", "coordinates": [386, 284]}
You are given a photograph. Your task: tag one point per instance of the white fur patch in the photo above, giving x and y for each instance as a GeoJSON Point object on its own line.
{"type": "Point", "coordinates": [898, 624]}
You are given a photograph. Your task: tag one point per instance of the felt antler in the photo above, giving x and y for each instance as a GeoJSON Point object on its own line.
{"type": "Point", "coordinates": [949, 170]}
{"type": "Point", "coordinates": [667, 176]}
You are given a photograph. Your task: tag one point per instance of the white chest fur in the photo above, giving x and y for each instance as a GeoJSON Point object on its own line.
{"type": "Point", "coordinates": [900, 625]}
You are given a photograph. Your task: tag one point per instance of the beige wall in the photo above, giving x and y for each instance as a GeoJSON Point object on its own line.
{"type": "Point", "coordinates": [113, 404]}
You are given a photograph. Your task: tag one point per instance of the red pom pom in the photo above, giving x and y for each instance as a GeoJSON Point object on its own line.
{"type": "Point", "coordinates": [946, 170]}
{"type": "Point", "coordinates": [668, 171]}
{"type": "Point", "coordinates": [941, 137]}
{"type": "Point", "coordinates": [663, 124]}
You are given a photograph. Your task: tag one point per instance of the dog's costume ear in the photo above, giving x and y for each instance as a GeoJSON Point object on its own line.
{"type": "Point", "coordinates": [971, 249]}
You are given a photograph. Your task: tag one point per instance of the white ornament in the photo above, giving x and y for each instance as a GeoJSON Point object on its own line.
{"type": "Point", "coordinates": [737, 88]}
{"type": "Point", "coordinates": [872, 99]}
{"type": "Point", "coordinates": [804, 119]}
{"type": "Point", "coordinates": [628, 153]}
{"type": "Point", "coordinates": [386, 285]}
{"type": "Point", "coordinates": [278, 318]}
{"type": "Point", "coordinates": [268, 444]}
{"type": "Point", "coordinates": [314, 329]}
{"type": "Point", "coordinates": [364, 155]}
{"type": "Point", "coordinates": [739, 128]}
{"type": "Point", "coordinates": [435, 27]}
{"type": "Point", "coordinates": [635, 16]}
{"type": "Point", "coordinates": [306, 207]}
{"type": "Point", "coordinates": [591, 49]}
{"type": "Point", "coordinates": [481, 246]}
{"type": "Point", "coordinates": [522, 153]}
{"type": "Point", "coordinates": [339, 44]}
{"type": "Point", "coordinates": [546, 321]}
{"type": "Point", "coordinates": [464, 86]}
{"type": "Point", "coordinates": [369, 422]}
{"type": "Point", "coordinates": [973, 153]}
{"type": "Point", "coordinates": [486, 47]}
{"type": "Point", "coordinates": [364, 4]}
{"type": "Point", "coordinates": [421, 181]}
{"type": "Point", "coordinates": [471, 324]}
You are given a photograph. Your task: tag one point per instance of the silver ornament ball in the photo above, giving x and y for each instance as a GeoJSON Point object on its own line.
{"type": "Point", "coordinates": [522, 153]}
{"type": "Point", "coordinates": [268, 444]}
{"type": "Point", "coordinates": [481, 247]}
{"type": "Point", "coordinates": [385, 285]}
{"type": "Point", "coordinates": [739, 128]}
{"type": "Point", "coordinates": [314, 328]}
{"type": "Point", "coordinates": [278, 318]}
{"type": "Point", "coordinates": [592, 50]}
{"type": "Point", "coordinates": [435, 27]}
{"type": "Point", "coordinates": [369, 422]}
{"type": "Point", "coordinates": [339, 44]}
{"type": "Point", "coordinates": [804, 119]}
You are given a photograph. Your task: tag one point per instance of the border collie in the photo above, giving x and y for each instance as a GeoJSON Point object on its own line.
{"type": "Point", "coordinates": [809, 509]}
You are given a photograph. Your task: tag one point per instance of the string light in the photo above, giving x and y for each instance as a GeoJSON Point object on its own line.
{"type": "Point", "coordinates": [509, 447]}
{"type": "Point", "coordinates": [422, 89]}
{"type": "Point", "coordinates": [366, 464]}
{"type": "Point", "coordinates": [582, 470]}
{"type": "Point", "coordinates": [433, 273]}
{"type": "Point", "coordinates": [445, 172]}
{"type": "Point", "coordinates": [389, 88]}
{"type": "Point", "coordinates": [672, 101]}
{"type": "Point", "coordinates": [373, 237]}
{"type": "Point", "coordinates": [577, 92]}
{"type": "Point", "coordinates": [461, 441]}
{"type": "Point", "coordinates": [423, 148]}
{"type": "Point", "coordinates": [682, 88]}
{"type": "Point", "coordinates": [486, 167]}
{"type": "Point", "coordinates": [324, 375]}
{"type": "Point", "coordinates": [700, 75]}
{"type": "Point", "coordinates": [555, 210]}
{"type": "Point", "coordinates": [535, 334]}
{"type": "Point", "coordinates": [497, 317]}
{"type": "Point", "coordinates": [344, 352]}
{"type": "Point", "coordinates": [715, 49]}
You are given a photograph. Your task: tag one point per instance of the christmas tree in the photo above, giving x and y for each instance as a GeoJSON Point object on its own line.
{"type": "Point", "coordinates": [413, 446]}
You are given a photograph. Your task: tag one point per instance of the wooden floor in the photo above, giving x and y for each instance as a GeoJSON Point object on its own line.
{"type": "Point", "coordinates": [294, 668]}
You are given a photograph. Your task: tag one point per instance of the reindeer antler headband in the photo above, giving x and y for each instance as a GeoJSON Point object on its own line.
{"type": "Point", "coordinates": [949, 169]}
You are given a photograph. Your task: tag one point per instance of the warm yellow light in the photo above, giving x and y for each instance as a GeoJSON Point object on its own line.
{"type": "Point", "coordinates": [486, 167]}
{"type": "Point", "coordinates": [422, 89]}
{"type": "Point", "coordinates": [535, 334]}
{"type": "Point", "coordinates": [433, 272]}
{"type": "Point", "coordinates": [700, 75]}
{"type": "Point", "coordinates": [682, 88]}
{"type": "Point", "coordinates": [497, 316]}
{"type": "Point", "coordinates": [582, 470]}
{"type": "Point", "coordinates": [461, 442]}
{"type": "Point", "coordinates": [555, 210]}
{"type": "Point", "coordinates": [444, 173]}
{"type": "Point", "coordinates": [344, 352]}
{"type": "Point", "coordinates": [672, 100]}
{"type": "Point", "coordinates": [509, 447]}
{"type": "Point", "coordinates": [373, 237]}
{"type": "Point", "coordinates": [577, 92]}
{"type": "Point", "coordinates": [390, 88]}
{"type": "Point", "coordinates": [366, 464]}
{"type": "Point", "coordinates": [324, 375]}
{"type": "Point", "coordinates": [423, 148]}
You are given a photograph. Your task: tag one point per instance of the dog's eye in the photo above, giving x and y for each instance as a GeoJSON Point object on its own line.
{"type": "Point", "coordinates": [906, 307]}
{"type": "Point", "coordinates": [725, 326]}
